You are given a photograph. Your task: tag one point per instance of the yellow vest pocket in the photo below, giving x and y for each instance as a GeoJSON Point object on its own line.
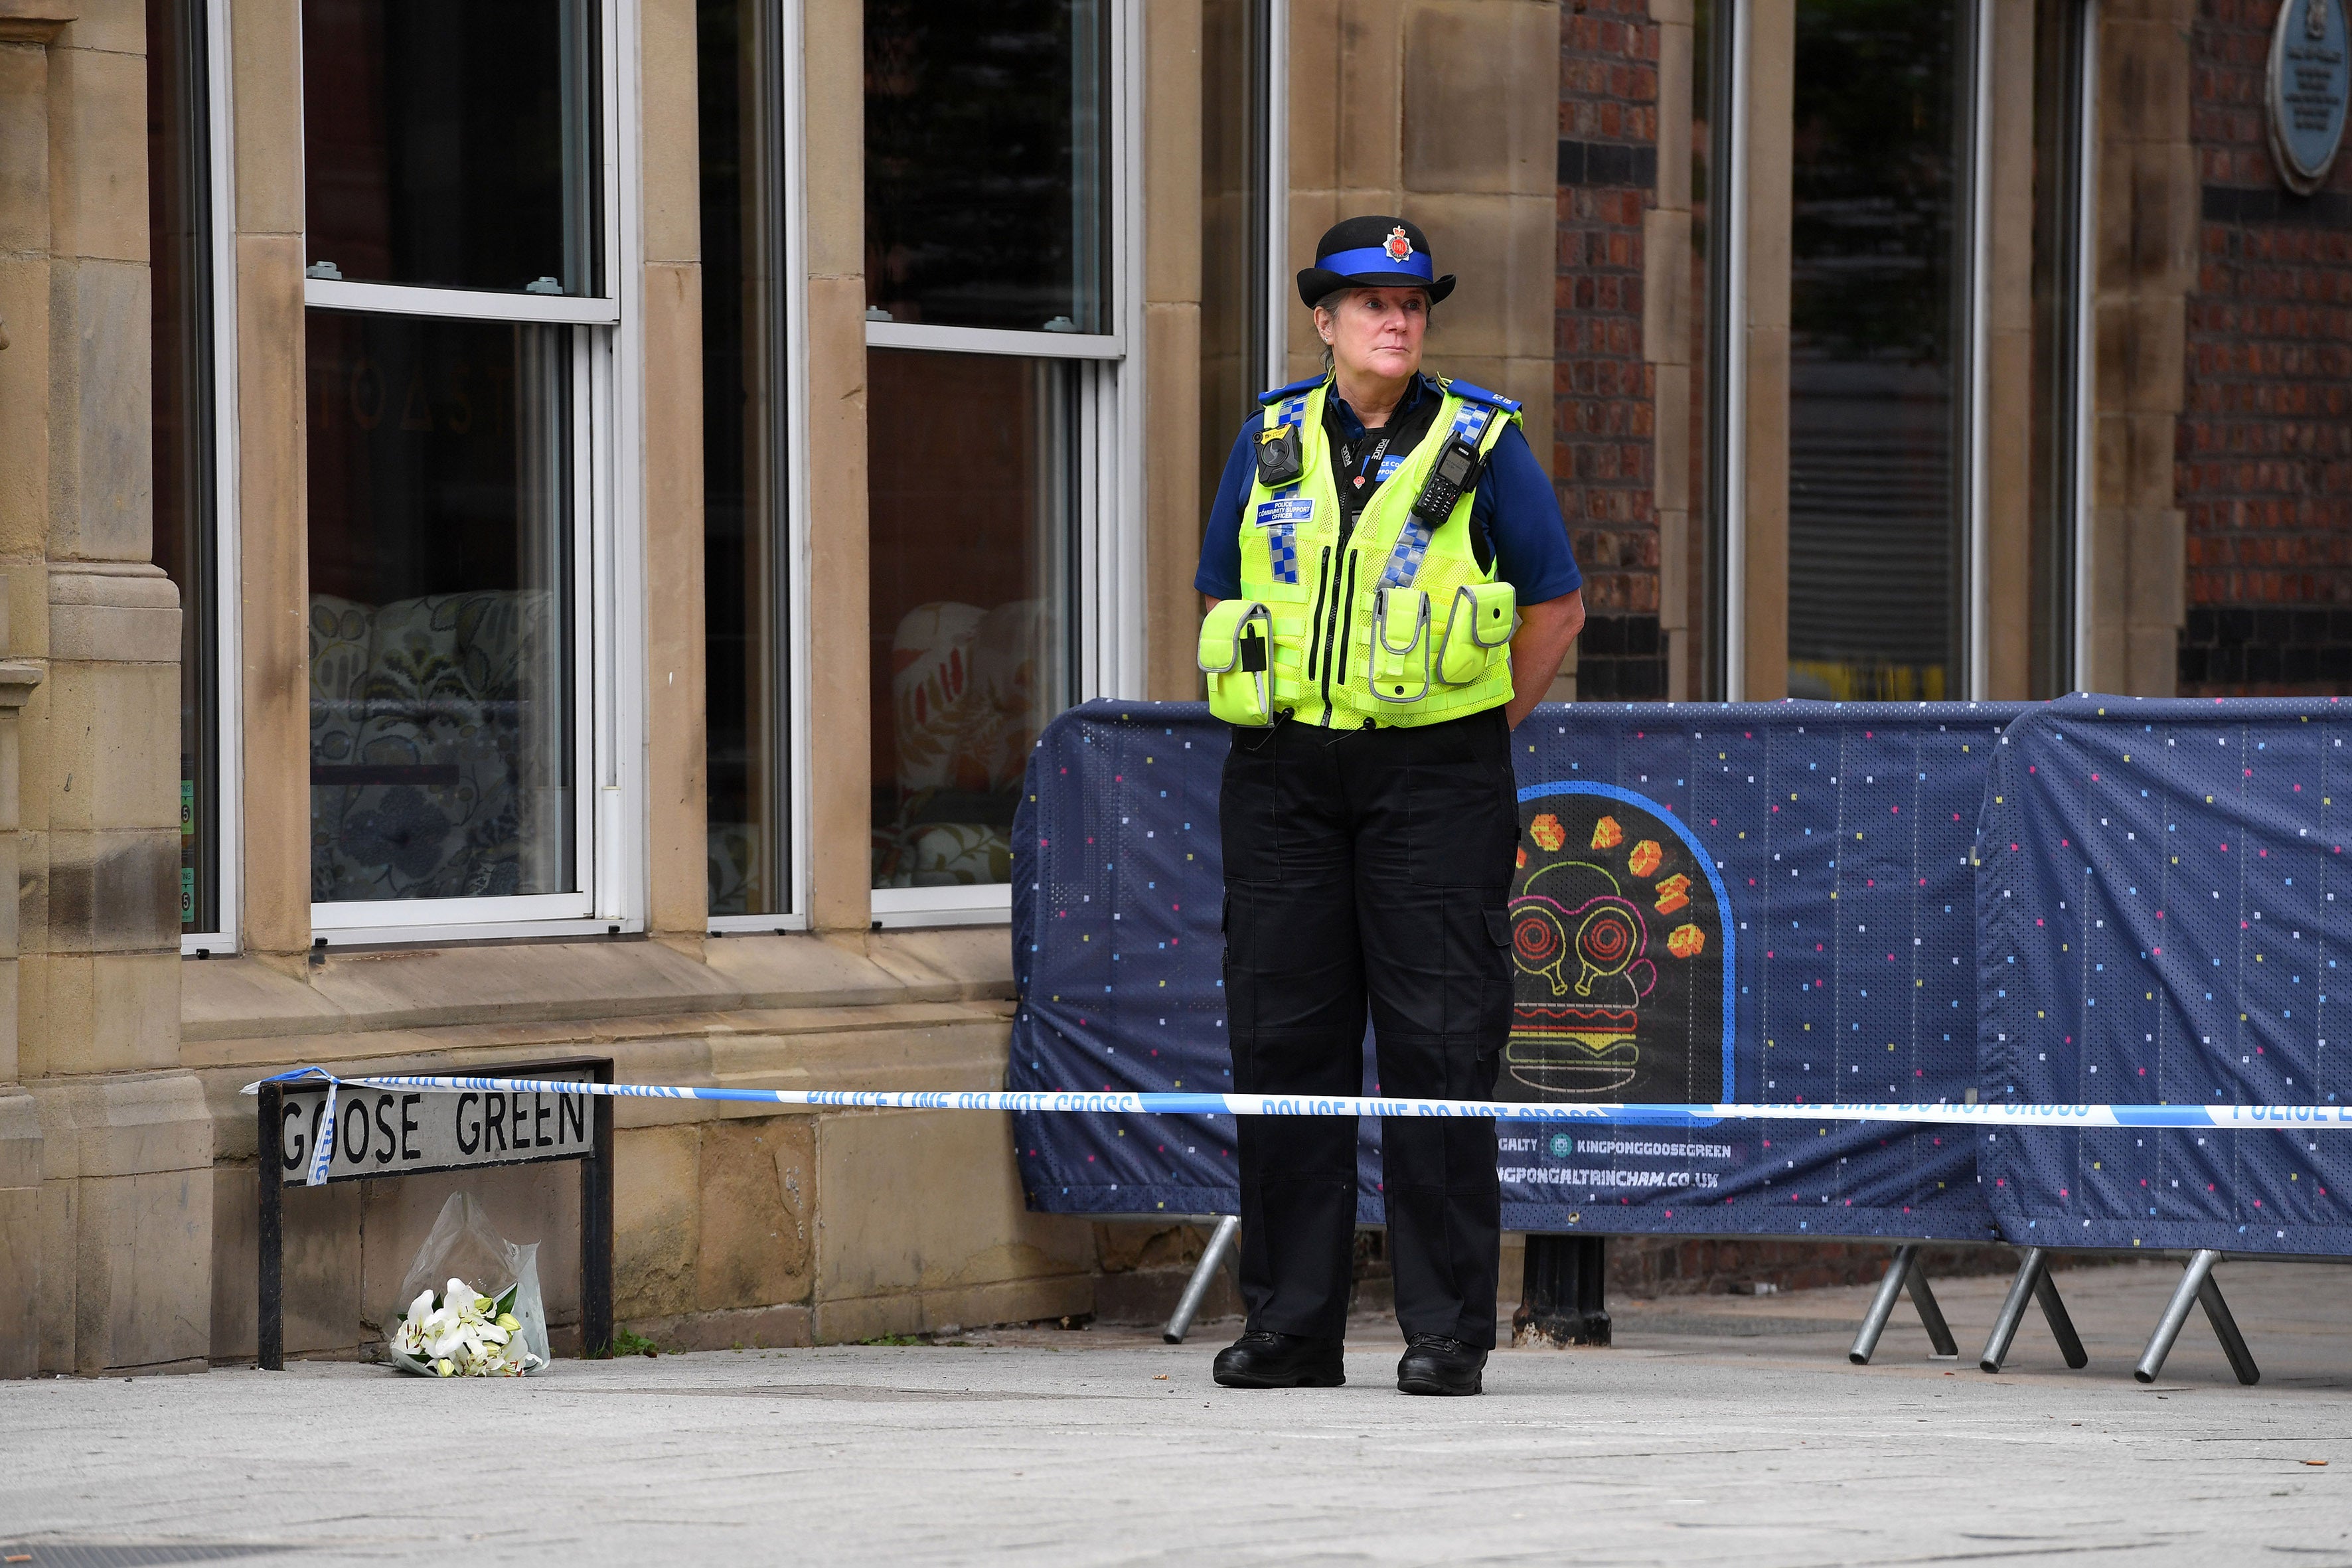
{"type": "Point", "coordinates": [1237, 653]}
{"type": "Point", "coordinates": [1400, 670]}
{"type": "Point", "coordinates": [1477, 632]}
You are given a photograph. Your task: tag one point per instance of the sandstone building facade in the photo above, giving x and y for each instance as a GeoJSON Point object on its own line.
{"type": "Point", "coordinates": [546, 530]}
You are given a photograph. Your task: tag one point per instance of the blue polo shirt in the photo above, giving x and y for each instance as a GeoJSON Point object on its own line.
{"type": "Point", "coordinates": [1514, 504]}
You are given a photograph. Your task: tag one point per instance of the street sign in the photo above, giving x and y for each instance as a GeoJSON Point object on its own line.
{"type": "Point", "coordinates": [401, 1133]}
{"type": "Point", "coordinates": [385, 1132]}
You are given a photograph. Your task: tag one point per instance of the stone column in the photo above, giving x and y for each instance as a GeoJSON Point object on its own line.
{"type": "Point", "coordinates": [265, 46]}
{"type": "Point", "coordinates": [2145, 260]}
{"type": "Point", "coordinates": [1172, 347]}
{"type": "Point", "coordinates": [26, 33]}
{"type": "Point", "coordinates": [669, 327]}
{"type": "Point", "coordinates": [123, 1216]}
{"type": "Point", "coordinates": [1769, 101]}
{"type": "Point", "coordinates": [20, 1125]}
{"type": "Point", "coordinates": [840, 800]}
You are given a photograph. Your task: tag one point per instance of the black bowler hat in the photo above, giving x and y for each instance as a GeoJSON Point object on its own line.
{"type": "Point", "coordinates": [1372, 253]}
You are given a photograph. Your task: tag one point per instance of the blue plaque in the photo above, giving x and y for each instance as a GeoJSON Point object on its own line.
{"type": "Point", "coordinates": [2310, 85]}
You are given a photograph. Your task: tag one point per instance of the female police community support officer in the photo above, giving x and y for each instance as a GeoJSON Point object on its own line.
{"type": "Point", "coordinates": [1390, 590]}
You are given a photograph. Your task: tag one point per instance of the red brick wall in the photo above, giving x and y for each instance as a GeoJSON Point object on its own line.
{"type": "Point", "coordinates": [2264, 455]}
{"type": "Point", "coordinates": [1603, 390]}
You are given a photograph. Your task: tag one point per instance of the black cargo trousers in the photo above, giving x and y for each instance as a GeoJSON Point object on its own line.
{"type": "Point", "coordinates": [1368, 863]}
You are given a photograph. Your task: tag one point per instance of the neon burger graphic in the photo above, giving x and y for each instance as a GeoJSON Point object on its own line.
{"type": "Point", "coordinates": [1583, 949]}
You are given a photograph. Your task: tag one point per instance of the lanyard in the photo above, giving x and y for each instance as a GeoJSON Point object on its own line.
{"type": "Point", "coordinates": [1364, 475]}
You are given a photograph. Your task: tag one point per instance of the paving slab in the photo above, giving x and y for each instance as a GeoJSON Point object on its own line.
{"type": "Point", "coordinates": [1718, 1430]}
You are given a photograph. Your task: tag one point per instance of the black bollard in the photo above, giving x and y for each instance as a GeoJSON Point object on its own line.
{"type": "Point", "coordinates": [1564, 1300]}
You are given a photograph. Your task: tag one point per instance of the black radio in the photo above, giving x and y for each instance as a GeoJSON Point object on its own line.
{"type": "Point", "coordinates": [1454, 471]}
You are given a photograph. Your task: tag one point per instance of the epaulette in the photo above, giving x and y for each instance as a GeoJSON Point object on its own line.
{"type": "Point", "coordinates": [1306, 384]}
{"type": "Point", "coordinates": [1469, 394]}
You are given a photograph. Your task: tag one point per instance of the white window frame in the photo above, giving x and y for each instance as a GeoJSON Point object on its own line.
{"type": "Point", "coordinates": [2084, 286]}
{"type": "Point", "coordinates": [1731, 313]}
{"type": "Point", "coordinates": [608, 556]}
{"type": "Point", "coordinates": [226, 798]}
{"type": "Point", "coordinates": [791, 650]}
{"type": "Point", "coordinates": [1976, 653]}
{"type": "Point", "coordinates": [1107, 573]}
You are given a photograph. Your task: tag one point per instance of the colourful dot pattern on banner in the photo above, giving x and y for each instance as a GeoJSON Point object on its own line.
{"type": "Point", "coordinates": [1117, 957]}
{"type": "Point", "coordinates": [2166, 913]}
{"type": "Point", "coordinates": [1842, 834]}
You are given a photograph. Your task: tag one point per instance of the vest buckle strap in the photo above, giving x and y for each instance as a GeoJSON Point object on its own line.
{"type": "Point", "coordinates": [1400, 645]}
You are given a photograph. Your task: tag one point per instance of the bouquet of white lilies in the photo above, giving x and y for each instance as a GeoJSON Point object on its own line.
{"type": "Point", "coordinates": [461, 1333]}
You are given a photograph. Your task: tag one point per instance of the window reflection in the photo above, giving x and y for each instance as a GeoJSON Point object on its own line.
{"type": "Point", "coordinates": [1235, 92]}
{"type": "Point", "coordinates": [450, 143]}
{"type": "Point", "coordinates": [441, 726]}
{"type": "Point", "coordinates": [1707, 283]}
{"type": "Point", "coordinates": [984, 152]}
{"type": "Point", "coordinates": [742, 451]}
{"type": "Point", "coordinates": [1876, 311]}
{"type": "Point", "coordinates": [971, 521]}
{"type": "Point", "coordinates": [178, 223]}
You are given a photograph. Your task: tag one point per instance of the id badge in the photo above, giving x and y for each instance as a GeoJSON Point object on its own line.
{"type": "Point", "coordinates": [1294, 511]}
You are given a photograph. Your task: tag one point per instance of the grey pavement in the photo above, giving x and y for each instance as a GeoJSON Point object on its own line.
{"type": "Point", "coordinates": [1718, 1431]}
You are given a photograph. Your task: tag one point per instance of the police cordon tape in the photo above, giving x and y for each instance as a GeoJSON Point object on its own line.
{"type": "Point", "coordinates": [1114, 1102]}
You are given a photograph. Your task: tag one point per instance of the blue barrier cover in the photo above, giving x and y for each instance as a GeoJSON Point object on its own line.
{"type": "Point", "coordinates": [2163, 898]}
{"type": "Point", "coordinates": [1768, 902]}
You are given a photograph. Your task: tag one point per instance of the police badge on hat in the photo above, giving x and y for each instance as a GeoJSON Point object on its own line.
{"type": "Point", "coordinates": [1372, 252]}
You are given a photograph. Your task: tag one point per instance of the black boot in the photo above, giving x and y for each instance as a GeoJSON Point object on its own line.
{"type": "Point", "coordinates": [1260, 1359]}
{"type": "Point", "coordinates": [1435, 1365]}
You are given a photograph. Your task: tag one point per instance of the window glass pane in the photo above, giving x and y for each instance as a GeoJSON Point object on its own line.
{"type": "Point", "coordinates": [1875, 314]}
{"type": "Point", "coordinates": [447, 142]}
{"type": "Point", "coordinates": [985, 185]}
{"type": "Point", "coordinates": [1235, 88]}
{"type": "Point", "coordinates": [2061, 256]}
{"type": "Point", "coordinates": [178, 221]}
{"type": "Point", "coordinates": [441, 619]}
{"type": "Point", "coordinates": [742, 448]}
{"type": "Point", "coordinates": [1707, 284]}
{"type": "Point", "coordinates": [971, 518]}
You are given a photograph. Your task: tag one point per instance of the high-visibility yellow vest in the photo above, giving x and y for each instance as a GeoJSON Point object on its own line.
{"type": "Point", "coordinates": [1394, 624]}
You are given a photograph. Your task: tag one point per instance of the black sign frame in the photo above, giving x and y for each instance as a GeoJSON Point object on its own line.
{"type": "Point", "coordinates": [595, 1207]}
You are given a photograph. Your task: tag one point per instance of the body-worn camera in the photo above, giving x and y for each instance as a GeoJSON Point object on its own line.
{"type": "Point", "coordinates": [1280, 457]}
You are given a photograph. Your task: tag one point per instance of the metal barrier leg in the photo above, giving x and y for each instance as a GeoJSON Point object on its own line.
{"type": "Point", "coordinates": [2196, 1285]}
{"type": "Point", "coordinates": [2030, 1270]}
{"type": "Point", "coordinates": [2062, 1327]}
{"type": "Point", "coordinates": [2225, 1328]}
{"type": "Point", "coordinates": [1204, 1273]}
{"type": "Point", "coordinates": [2175, 1314]}
{"type": "Point", "coordinates": [1874, 1323]}
{"type": "Point", "coordinates": [1931, 1316]}
{"type": "Point", "coordinates": [1903, 1274]}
